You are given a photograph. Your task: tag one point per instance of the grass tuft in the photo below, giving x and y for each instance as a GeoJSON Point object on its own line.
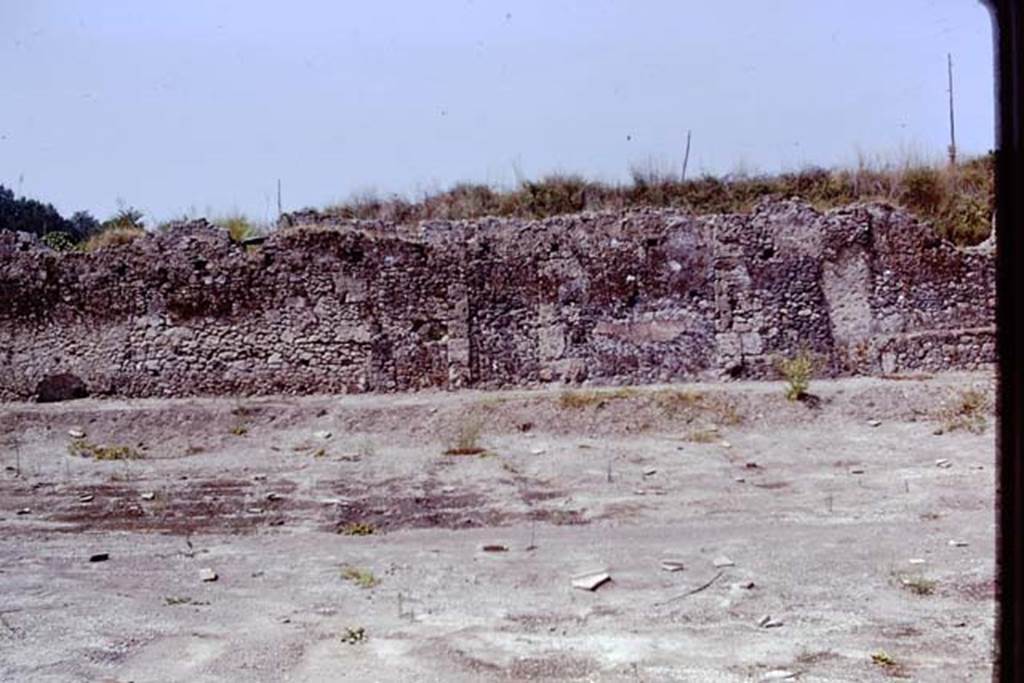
{"type": "Point", "coordinates": [797, 372]}
{"type": "Point", "coordinates": [958, 201]}
{"type": "Point", "coordinates": [578, 400]}
{"type": "Point", "coordinates": [113, 236]}
{"type": "Point", "coordinates": [358, 529]}
{"type": "Point", "coordinates": [968, 411]}
{"type": "Point", "coordinates": [467, 439]}
{"type": "Point", "coordinates": [363, 578]}
{"type": "Point", "coordinates": [84, 449]}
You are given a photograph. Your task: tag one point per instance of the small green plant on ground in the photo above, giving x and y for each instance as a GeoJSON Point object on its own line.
{"type": "Point", "coordinates": [707, 435]}
{"type": "Point", "coordinates": [891, 667]}
{"type": "Point", "coordinates": [968, 411]}
{"type": "Point", "coordinates": [240, 430]}
{"type": "Point", "coordinates": [363, 578]}
{"type": "Point", "coordinates": [918, 585]}
{"type": "Point", "coordinates": [882, 658]}
{"type": "Point", "coordinates": [84, 449]}
{"type": "Point", "coordinates": [358, 529]}
{"type": "Point", "coordinates": [576, 400]}
{"type": "Point", "coordinates": [174, 600]}
{"type": "Point", "coordinates": [353, 635]}
{"type": "Point", "coordinates": [797, 372]}
{"type": "Point", "coordinates": [467, 438]}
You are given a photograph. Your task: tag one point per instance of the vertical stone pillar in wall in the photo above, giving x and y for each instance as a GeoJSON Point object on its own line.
{"type": "Point", "coordinates": [550, 342]}
{"type": "Point", "coordinates": [460, 373]}
{"type": "Point", "coordinates": [732, 300]}
{"type": "Point", "coordinates": [846, 284]}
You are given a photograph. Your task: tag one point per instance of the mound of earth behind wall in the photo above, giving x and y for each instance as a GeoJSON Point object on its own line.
{"type": "Point", "coordinates": [640, 296]}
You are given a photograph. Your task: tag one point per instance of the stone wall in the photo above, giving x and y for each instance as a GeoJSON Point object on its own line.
{"type": "Point", "coordinates": [639, 296]}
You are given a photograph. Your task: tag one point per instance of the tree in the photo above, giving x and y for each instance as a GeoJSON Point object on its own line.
{"type": "Point", "coordinates": [29, 215]}
{"type": "Point", "coordinates": [83, 225]}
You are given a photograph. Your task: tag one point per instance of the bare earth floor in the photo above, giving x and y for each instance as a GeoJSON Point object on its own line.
{"type": "Point", "coordinates": [870, 546]}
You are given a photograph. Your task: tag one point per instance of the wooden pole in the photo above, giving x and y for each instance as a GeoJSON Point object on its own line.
{"type": "Point", "coordinates": [952, 126]}
{"type": "Point", "coordinates": [686, 157]}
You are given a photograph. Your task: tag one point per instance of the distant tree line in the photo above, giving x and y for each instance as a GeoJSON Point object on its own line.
{"type": "Point", "coordinates": [30, 215]}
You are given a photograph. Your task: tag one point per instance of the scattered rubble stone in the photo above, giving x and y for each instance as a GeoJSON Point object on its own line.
{"type": "Point", "coordinates": [591, 581]}
{"type": "Point", "coordinates": [723, 561]}
{"type": "Point", "coordinates": [206, 574]}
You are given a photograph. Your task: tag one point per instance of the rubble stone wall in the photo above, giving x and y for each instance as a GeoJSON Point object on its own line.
{"type": "Point", "coordinates": [639, 296]}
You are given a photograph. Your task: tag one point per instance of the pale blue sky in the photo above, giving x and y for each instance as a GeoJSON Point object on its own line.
{"type": "Point", "coordinates": [200, 106]}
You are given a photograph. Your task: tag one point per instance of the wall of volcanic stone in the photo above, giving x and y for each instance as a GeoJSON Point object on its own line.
{"type": "Point", "coordinates": [639, 296]}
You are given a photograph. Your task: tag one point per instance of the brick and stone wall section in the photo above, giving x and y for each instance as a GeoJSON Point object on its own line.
{"type": "Point", "coordinates": [640, 296]}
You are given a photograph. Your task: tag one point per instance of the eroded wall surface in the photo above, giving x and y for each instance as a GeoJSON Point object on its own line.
{"type": "Point", "coordinates": [640, 296]}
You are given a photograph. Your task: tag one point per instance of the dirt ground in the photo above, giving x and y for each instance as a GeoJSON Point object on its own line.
{"type": "Point", "coordinates": [347, 545]}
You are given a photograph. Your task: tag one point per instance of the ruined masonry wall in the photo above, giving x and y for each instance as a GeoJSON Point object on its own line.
{"type": "Point", "coordinates": [640, 296]}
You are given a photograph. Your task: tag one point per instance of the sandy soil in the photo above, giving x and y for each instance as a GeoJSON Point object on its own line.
{"type": "Point", "coordinates": [871, 560]}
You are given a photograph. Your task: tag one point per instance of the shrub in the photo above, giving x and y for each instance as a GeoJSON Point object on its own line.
{"type": "Point", "coordinates": [797, 371]}
{"type": "Point", "coordinates": [363, 578]}
{"type": "Point", "coordinates": [467, 439]}
{"type": "Point", "coordinates": [58, 241]}
{"type": "Point", "coordinates": [358, 529]}
{"type": "Point", "coordinates": [922, 190]}
{"type": "Point", "coordinates": [84, 449]}
{"type": "Point", "coordinates": [967, 411]}
{"type": "Point", "coordinates": [239, 228]}
{"type": "Point", "coordinates": [123, 228]}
